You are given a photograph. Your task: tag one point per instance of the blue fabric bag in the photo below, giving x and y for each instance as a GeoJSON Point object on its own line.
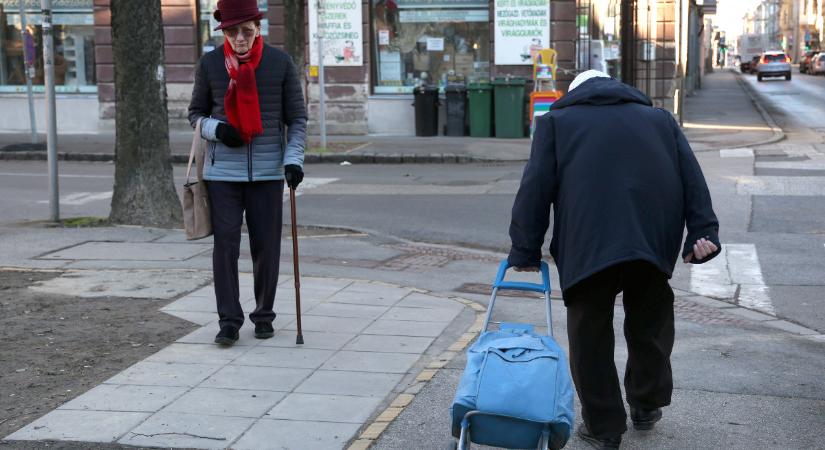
{"type": "Point", "coordinates": [522, 380]}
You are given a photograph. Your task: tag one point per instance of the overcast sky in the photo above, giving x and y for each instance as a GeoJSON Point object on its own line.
{"type": "Point", "coordinates": [729, 14]}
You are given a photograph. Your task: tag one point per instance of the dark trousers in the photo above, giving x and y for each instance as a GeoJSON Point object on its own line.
{"type": "Point", "coordinates": [648, 330]}
{"type": "Point", "coordinates": [262, 201]}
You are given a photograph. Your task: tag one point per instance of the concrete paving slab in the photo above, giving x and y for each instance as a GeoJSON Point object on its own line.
{"type": "Point", "coordinates": [422, 314]}
{"type": "Point", "coordinates": [347, 310]}
{"type": "Point", "coordinates": [168, 429]}
{"type": "Point", "coordinates": [197, 354]}
{"type": "Point", "coordinates": [256, 378]}
{"type": "Point", "coordinates": [371, 362]}
{"type": "Point", "coordinates": [331, 324]}
{"type": "Point", "coordinates": [84, 426]}
{"type": "Point", "coordinates": [325, 408]}
{"type": "Point", "coordinates": [200, 318]}
{"type": "Point", "coordinates": [406, 328]}
{"type": "Point", "coordinates": [790, 327]}
{"type": "Point", "coordinates": [312, 339]}
{"type": "Point", "coordinates": [705, 301]}
{"type": "Point", "coordinates": [150, 373]}
{"type": "Point", "coordinates": [418, 300]}
{"type": "Point", "coordinates": [127, 251]}
{"type": "Point", "coordinates": [153, 284]}
{"type": "Point", "coordinates": [291, 434]}
{"type": "Point", "coordinates": [363, 298]}
{"type": "Point", "coordinates": [298, 358]}
{"type": "Point", "coordinates": [124, 397]}
{"type": "Point", "coordinates": [395, 344]}
{"type": "Point", "coordinates": [361, 384]}
{"type": "Point", "coordinates": [226, 402]}
{"type": "Point", "coordinates": [193, 303]}
{"type": "Point", "coordinates": [206, 336]}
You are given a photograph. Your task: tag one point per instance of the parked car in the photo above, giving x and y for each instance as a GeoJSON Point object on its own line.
{"type": "Point", "coordinates": [817, 65]}
{"type": "Point", "coordinates": [807, 61]}
{"type": "Point", "coordinates": [774, 64]}
{"type": "Point", "coordinates": [753, 64]}
{"type": "Point", "coordinates": [745, 65]}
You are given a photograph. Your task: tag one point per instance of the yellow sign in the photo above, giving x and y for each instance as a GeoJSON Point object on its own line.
{"type": "Point", "coordinates": [313, 71]}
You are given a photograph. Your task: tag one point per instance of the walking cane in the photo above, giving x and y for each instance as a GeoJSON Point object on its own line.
{"type": "Point", "coordinates": [300, 339]}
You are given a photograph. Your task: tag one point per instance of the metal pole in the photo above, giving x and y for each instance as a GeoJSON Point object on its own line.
{"type": "Point", "coordinates": [322, 106]}
{"type": "Point", "coordinates": [29, 70]}
{"type": "Point", "coordinates": [51, 108]}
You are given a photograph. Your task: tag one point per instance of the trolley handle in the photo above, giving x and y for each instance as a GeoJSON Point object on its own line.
{"type": "Point", "coordinates": [519, 285]}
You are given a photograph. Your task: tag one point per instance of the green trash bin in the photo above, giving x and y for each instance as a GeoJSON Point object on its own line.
{"type": "Point", "coordinates": [509, 100]}
{"type": "Point", "coordinates": [481, 109]}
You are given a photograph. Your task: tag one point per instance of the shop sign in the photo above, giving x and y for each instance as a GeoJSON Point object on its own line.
{"type": "Point", "coordinates": [341, 25]}
{"type": "Point", "coordinates": [443, 15]}
{"type": "Point", "coordinates": [57, 5]}
{"type": "Point", "coordinates": [522, 28]}
{"type": "Point", "coordinates": [407, 4]}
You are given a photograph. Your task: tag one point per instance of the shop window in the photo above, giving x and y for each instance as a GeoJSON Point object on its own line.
{"type": "Point", "coordinates": [210, 39]}
{"type": "Point", "coordinates": [599, 30]}
{"type": "Point", "coordinates": [74, 46]}
{"type": "Point", "coordinates": [429, 41]}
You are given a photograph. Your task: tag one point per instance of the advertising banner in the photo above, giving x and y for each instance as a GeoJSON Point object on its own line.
{"type": "Point", "coordinates": [522, 28]}
{"type": "Point", "coordinates": [342, 29]}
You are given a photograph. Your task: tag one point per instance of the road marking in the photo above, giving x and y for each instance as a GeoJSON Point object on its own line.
{"type": "Point", "coordinates": [792, 165]}
{"type": "Point", "coordinates": [736, 153]}
{"type": "Point", "coordinates": [702, 126]}
{"type": "Point", "coordinates": [81, 198]}
{"type": "Point", "coordinates": [790, 186]}
{"type": "Point", "coordinates": [735, 270]}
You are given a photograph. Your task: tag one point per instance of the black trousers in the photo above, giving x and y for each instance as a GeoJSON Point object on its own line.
{"type": "Point", "coordinates": [648, 330]}
{"type": "Point", "coordinates": [262, 201]}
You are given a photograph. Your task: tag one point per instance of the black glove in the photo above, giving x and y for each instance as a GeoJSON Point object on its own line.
{"type": "Point", "coordinates": [294, 175]}
{"type": "Point", "coordinates": [228, 135]}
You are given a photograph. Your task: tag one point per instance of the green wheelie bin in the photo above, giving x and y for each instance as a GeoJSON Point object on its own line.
{"type": "Point", "coordinates": [509, 101]}
{"type": "Point", "coordinates": [481, 109]}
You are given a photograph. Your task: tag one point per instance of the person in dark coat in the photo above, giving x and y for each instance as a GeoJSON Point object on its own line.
{"type": "Point", "coordinates": [245, 94]}
{"type": "Point", "coordinates": [623, 183]}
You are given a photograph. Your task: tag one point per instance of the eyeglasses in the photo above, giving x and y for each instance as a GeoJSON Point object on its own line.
{"type": "Point", "coordinates": [247, 33]}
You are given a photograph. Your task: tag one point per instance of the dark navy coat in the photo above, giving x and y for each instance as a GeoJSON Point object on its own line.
{"type": "Point", "coordinates": [622, 180]}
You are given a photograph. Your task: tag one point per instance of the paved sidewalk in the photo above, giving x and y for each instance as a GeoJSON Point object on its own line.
{"type": "Point", "coordinates": [720, 115]}
{"type": "Point", "coordinates": [362, 340]}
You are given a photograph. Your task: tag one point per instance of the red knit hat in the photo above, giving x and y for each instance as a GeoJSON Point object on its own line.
{"type": "Point", "coordinates": [233, 12]}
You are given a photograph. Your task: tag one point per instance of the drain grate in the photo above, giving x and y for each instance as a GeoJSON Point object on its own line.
{"type": "Point", "coordinates": [704, 315]}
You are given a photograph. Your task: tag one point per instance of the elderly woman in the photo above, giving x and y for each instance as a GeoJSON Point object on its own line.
{"type": "Point", "coordinates": [245, 93]}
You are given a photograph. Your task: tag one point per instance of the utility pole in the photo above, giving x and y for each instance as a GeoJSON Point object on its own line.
{"type": "Point", "coordinates": [797, 37]}
{"type": "Point", "coordinates": [51, 108]}
{"type": "Point", "coordinates": [28, 63]}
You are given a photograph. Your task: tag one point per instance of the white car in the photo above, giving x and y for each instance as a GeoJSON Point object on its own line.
{"type": "Point", "coordinates": [774, 64]}
{"type": "Point", "coordinates": [817, 64]}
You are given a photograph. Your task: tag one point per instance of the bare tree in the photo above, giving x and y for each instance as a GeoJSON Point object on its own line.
{"type": "Point", "coordinates": [144, 191]}
{"type": "Point", "coordinates": [294, 31]}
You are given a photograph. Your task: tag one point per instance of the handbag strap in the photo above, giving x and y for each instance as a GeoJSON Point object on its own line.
{"type": "Point", "coordinates": [196, 139]}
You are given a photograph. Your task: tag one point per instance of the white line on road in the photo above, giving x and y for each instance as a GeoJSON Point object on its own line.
{"type": "Point", "coordinates": [792, 186]}
{"type": "Point", "coordinates": [736, 268]}
{"type": "Point", "coordinates": [81, 198]}
{"type": "Point", "coordinates": [736, 153]}
{"type": "Point", "coordinates": [793, 165]}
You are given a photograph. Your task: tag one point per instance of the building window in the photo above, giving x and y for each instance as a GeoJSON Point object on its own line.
{"type": "Point", "coordinates": [209, 38]}
{"type": "Point", "coordinates": [74, 46]}
{"type": "Point", "coordinates": [429, 41]}
{"type": "Point", "coordinates": [599, 30]}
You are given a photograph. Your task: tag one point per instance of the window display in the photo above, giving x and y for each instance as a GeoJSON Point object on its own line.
{"type": "Point", "coordinates": [74, 63]}
{"type": "Point", "coordinates": [429, 42]}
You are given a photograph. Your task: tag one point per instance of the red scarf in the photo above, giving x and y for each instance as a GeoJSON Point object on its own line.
{"type": "Point", "coordinates": [241, 99]}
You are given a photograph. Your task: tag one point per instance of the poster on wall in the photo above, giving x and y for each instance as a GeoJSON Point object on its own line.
{"type": "Point", "coordinates": [343, 32]}
{"type": "Point", "coordinates": [522, 28]}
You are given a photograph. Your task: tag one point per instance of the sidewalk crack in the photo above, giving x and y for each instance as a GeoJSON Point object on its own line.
{"type": "Point", "coordinates": [179, 434]}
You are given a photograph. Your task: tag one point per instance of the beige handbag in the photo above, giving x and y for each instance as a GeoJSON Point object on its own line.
{"type": "Point", "coordinates": [197, 215]}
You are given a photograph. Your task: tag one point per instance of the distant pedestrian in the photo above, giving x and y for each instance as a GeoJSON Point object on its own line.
{"type": "Point", "coordinates": [623, 183]}
{"type": "Point", "coordinates": [246, 92]}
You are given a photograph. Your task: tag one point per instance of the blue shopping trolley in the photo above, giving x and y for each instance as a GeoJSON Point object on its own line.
{"type": "Point", "coordinates": [516, 390]}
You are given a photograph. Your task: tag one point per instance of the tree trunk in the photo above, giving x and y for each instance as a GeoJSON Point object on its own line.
{"type": "Point", "coordinates": [294, 31]}
{"type": "Point", "coordinates": [144, 191]}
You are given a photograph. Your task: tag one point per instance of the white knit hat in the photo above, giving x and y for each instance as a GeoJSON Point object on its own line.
{"type": "Point", "coordinates": [584, 76]}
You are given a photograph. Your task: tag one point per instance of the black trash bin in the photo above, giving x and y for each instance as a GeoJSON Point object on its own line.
{"type": "Point", "coordinates": [426, 111]}
{"type": "Point", "coordinates": [456, 109]}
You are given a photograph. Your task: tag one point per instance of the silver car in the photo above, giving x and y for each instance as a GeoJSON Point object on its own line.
{"type": "Point", "coordinates": [817, 64]}
{"type": "Point", "coordinates": [774, 64]}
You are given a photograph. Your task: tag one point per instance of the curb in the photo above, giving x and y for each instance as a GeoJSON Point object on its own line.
{"type": "Point", "coordinates": [309, 158]}
{"type": "Point", "coordinates": [374, 429]}
{"type": "Point", "coordinates": [778, 133]}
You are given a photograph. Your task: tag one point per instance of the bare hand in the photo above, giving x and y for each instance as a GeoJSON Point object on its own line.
{"type": "Point", "coordinates": [526, 269]}
{"type": "Point", "coordinates": [701, 250]}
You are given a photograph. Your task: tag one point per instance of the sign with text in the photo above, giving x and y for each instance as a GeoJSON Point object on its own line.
{"type": "Point", "coordinates": [522, 28]}
{"type": "Point", "coordinates": [340, 24]}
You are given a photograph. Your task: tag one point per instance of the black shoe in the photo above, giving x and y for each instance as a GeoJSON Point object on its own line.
{"type": "Point", "coordinates": [263, 330]}
{"type": "Point", "coordinates": [645, 419]}
{"type": "Point", "coordinates": [600, 444]}
{"type": "Point", "coordinates": [227, 336]}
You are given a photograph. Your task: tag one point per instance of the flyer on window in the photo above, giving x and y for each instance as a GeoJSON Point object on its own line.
{"type": "Point", "coordinates": [342, 32]}
{"type": "Point", "coordinates": [522, 28]}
